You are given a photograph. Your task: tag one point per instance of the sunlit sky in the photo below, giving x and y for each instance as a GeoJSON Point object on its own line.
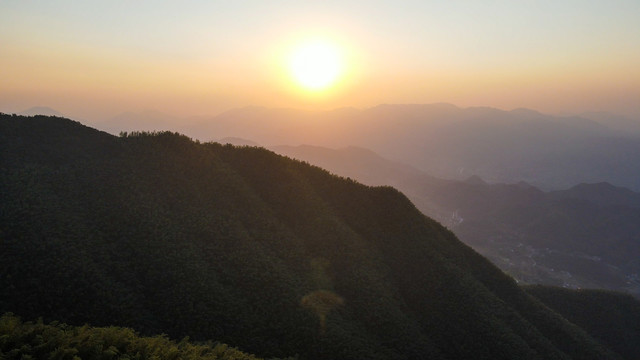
{"type": "Point", "coordinates": [96, 59]}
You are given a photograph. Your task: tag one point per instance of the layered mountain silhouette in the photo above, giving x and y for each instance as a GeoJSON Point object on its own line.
{"type": "Point", "coordinates": [146, 120]}
{"type": "Point", "coordinates": [621, 124]}
{"type": "Point", "coordinates": [240, 245]}
{"type": "Point", "coordinates": [600, 193]}
{"type": "Point", "coordinates": [583, 237]}
{"type": "Point", "coordinates": [446, 141]}
{"type": "Point", "coordinates": [40, 110]}
{"type": "Point", "coordinates": [550, 152]}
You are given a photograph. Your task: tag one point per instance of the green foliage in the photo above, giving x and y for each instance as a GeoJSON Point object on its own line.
{"type": "Point", "coordinates": [28, 340]}
{"type": "Point", "coordinates": [164, 235]}
{"type": "Point", "coordinates": [610, 317]}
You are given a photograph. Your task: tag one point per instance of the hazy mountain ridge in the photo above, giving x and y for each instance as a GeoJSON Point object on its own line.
{"type": "Point", "coordinates": [147, 120]}
{"type": "Point", "coordinates": [40, 110]}
{"type": "Point", "coordinates": [585, 236]}
{"type": "Point", "coordinates": [551, 152]}
{"type": "Point", "coordinates": [451, 142]}
{"type": "Point", "coordinates": [167, 235]}
{"type": "Point", "coordinates": [601, 193]}
{"type": "Point", "coordinates": [622, 124]}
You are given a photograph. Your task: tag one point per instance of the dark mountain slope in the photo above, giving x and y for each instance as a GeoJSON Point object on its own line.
{"type": "Point", "coordinates": [240, 245]}
{"type": "Point", "coordinates": [601, 193]}
{"type": "Point", "coordinates": [586, 236]}
{"type": "Point", "coordinates": [610, 317]}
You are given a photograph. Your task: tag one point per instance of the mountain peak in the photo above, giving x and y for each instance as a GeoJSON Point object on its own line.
{"type": "Point", "coordinates": [40, 110]}
{"type": "Point", "coordinates": [282, 257]}
{"type": "Point", "coordinates": [601, 187]}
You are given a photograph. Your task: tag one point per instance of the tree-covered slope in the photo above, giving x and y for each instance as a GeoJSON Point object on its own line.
{"type": "Point", "coordinates": [583, 237]}
{"type": "Point", "coordinates": [239, 245]}
{"type": "Point", "coordinates": [36, 340]}
{"type": "Point", "coordinates": [612, 318]}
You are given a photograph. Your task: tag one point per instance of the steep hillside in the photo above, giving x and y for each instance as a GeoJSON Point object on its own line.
{"type": "Point", "coordinates": [583, 237]}
{"type": "Point", "coordinates": [610, 317]}
{"type": "Point", "coordinates": [165, 235]}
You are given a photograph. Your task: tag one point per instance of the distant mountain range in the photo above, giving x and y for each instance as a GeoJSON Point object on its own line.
{"type": "Point", "coordinates": [240, 245]}
{"type": "Point", "coordinates": [587, 236]}
{"type": "Point", "coordinates": [449, 142]}
{"type": "Point", "coordinates": [550, 152]}
{"type": "Point", "coordinates": [148, 120]}
{"type": "Point", "coordinates": [478, 147]}
{"type": "Point", "coordinates": [40, 110]}
{"type": "Point", "coordinates": [618, 123]}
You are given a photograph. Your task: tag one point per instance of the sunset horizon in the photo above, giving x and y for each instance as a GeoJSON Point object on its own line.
{"type": "Point", "coordinates": [315, 180]}
{"type": "Point", "coordinates": [95, 61]}
{"type": "Point", "coordinates": [51, 111]}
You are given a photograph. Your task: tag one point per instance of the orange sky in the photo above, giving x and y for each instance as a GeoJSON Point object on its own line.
{"type": "Point", "coordinates": [97, 59]}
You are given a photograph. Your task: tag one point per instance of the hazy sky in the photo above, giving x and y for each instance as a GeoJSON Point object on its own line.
{"type": "Point", "coordinates": [95, 59]}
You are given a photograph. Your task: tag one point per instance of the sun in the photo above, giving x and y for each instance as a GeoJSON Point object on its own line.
{"type": "Point", "coordinates": [316, 65]}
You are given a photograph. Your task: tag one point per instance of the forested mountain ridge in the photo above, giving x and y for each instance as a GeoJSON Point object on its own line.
{"type": "Point", "coordinates": [446, 141]}
{"type": "Point", "coordinates": [583, 237]}
{"type": "Point", "coordinates": [274, 256]}
{"type": "Point", "coordinates": [610, 317]}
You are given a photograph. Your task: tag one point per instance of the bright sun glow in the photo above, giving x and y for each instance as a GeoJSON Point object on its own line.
{"type": "Point", "coordinates": [316, 65]}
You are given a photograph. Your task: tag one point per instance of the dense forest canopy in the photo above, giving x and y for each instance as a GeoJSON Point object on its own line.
{"type": "Point", "coordinates": [611, 317]}
{"type": "Point", "coordinates": [36, 340]}
{"type": "Point", "coordinates": [276, 257]}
